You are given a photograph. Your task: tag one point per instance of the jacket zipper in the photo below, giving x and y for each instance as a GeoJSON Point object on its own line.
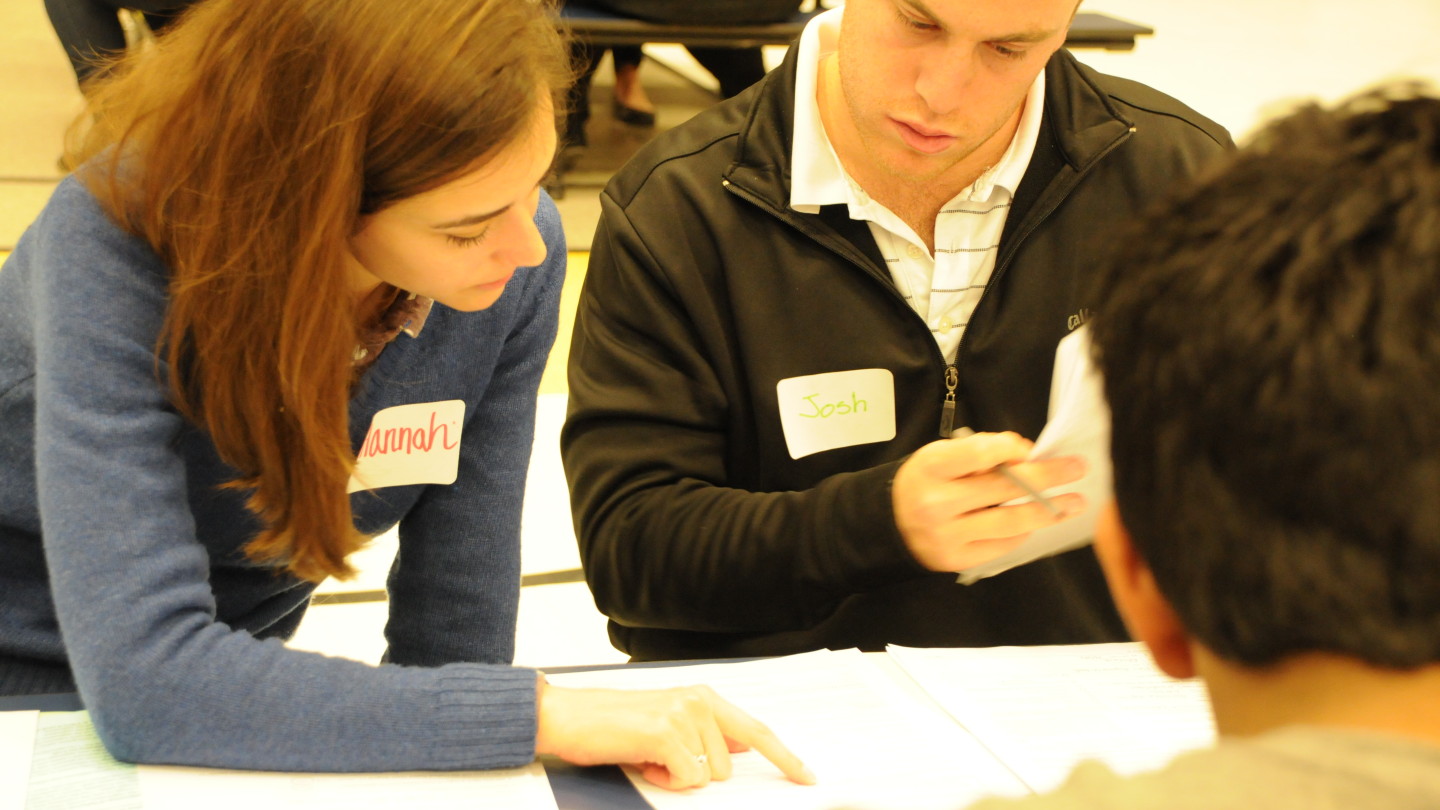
{"type": "Point", "coordinates": [947, 408]}
{"type": "Point", "coordinates": [952, 370]}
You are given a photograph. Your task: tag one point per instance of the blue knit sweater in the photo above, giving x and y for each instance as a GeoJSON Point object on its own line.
{"type": "Point", "coordinates": [121, 563]}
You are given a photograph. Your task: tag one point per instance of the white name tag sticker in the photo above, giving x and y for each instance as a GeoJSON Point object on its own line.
{"type": "Point", "coordinates": [840, 409]}
{"type": "Point", "coordinates": [410, 444]}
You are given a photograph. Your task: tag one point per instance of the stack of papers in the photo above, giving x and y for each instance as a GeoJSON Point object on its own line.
{"type": "Point", "coordinates": [1042, 710]}
{"type": "Point", "coordinates": [1020, 718]}
{"type": "Point", "coordinates": [870, 743]}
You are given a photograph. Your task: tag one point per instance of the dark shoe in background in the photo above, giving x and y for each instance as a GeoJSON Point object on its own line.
{"type": "Point", "coordinates": [631, 116]}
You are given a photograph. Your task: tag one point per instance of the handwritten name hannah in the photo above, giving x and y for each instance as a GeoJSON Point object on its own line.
{"type": "Point", "coordinates": [408, 440]}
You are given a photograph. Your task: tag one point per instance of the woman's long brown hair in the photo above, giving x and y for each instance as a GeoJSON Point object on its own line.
{"type": "Point", "coordinates": [244, 148]}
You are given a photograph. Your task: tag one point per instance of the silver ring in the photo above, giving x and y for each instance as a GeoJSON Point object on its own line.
{"type": "Point", "coordinates": [701, 759]}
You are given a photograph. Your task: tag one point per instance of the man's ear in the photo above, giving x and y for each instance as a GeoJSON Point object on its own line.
{"type": "Point", "coordinates": [1147, 613]}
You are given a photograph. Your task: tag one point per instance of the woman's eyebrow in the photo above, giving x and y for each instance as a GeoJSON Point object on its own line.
{"type": "Point", "coordinates": [473, 219]}
{"type": "Point", "coordinates": [476, 219]}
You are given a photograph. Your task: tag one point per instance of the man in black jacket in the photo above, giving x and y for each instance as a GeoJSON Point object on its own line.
{"type": "Point", "coordinates": [793, 297]}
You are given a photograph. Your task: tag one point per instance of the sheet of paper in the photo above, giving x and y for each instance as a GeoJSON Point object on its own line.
{"type": "Point", "coordinates": [1078, 424]}
{"type": "Point", "coordinates": [17, 743]}
{"type": "Point", "coordinates": [1042, 710]}
{"type": "Point", "coordinates": [71, 769]}
{"type": "Point", "coordinates": [871, 743]}
{"type": "Point", "coordinates": [175, 788]}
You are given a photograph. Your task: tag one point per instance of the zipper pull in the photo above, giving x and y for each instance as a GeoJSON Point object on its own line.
{"type": "Point", "coordinates": [947, 409]}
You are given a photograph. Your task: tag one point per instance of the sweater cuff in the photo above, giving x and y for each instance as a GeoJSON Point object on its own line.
{"type": "Point", "coordinates": [487, 717]}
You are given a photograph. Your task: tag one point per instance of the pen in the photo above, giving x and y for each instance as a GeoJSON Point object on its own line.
{"type": "Point", "coordinates": [1009, 475]}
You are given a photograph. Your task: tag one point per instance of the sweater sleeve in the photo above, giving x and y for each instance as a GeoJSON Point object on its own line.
{"type": "Point", "coordinates": [667, 537]}
{"type": "Point", "coordinates": [166, 682]}
{"type": "Point", "coordinates": [455, 584]}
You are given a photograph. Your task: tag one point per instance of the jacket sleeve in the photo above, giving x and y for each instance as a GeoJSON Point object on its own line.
{"type": "Point", "coordinates": [164, 681]}
{"type": "Point", "coordinates": [455, 583]}
{"type": "Point", "coordinates": [668, 539]}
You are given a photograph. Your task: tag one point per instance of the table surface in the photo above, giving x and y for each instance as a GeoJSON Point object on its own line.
{"type": "Point", "coordinates": [603, 787]}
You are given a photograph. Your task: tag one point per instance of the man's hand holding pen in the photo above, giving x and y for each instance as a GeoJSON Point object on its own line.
{"type": "Point", "coordinates": [948, 498]}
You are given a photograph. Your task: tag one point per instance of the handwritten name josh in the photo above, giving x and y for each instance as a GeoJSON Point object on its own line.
{"type": "Point", "coordinates": [825, 410]}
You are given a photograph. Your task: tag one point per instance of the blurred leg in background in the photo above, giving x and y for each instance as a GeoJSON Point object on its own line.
{"type": "Point", "coordinates": [734, 68]}
{"type": "Point", "coordinates": [91, 28]}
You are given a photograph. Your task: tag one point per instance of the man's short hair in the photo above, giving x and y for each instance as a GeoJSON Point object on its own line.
{"type": "Point", "coordinates": [1270, 342]}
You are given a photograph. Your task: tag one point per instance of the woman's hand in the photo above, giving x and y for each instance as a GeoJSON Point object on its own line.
{"type": "Point", "coordinates": [678, 738]}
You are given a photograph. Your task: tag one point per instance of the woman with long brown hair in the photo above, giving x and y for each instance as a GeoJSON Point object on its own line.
{"type": "Point", "coordinates": [301, 289]}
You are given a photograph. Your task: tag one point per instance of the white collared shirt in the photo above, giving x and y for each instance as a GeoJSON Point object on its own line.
{"type": "Point", "coordinates": [943, 289]}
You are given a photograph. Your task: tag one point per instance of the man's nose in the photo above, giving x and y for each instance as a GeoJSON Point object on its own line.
{"type": "Point", "coordinates": [945, 76]}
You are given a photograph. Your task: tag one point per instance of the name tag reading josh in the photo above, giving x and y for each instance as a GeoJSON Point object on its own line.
{"type": "Point", "coordinates": [410, 444]}
{"type": "Point", "coordinates": [839, 409]}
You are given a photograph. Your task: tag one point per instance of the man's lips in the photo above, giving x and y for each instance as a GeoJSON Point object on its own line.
{"type": "Point", "coordinates": [923, 139]}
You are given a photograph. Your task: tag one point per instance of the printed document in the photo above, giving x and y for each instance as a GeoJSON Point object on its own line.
{"type": "Point", "coordinates": [17, 742]}
{"type": "Point", "coordinates": [870, 743]}
{"type": "Point", "coordinates": [1042, 710]}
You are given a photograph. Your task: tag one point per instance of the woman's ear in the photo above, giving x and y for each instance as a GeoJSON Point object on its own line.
{"type": "Point", "coordinates": [1146, 611]}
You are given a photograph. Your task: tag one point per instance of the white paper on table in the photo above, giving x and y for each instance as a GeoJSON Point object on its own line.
{"type": "Point", "coordinates": [1078, 423]}
{"type": "Point", "coordinates": [1042, 710]}
{"type": "Point", "coordinates": [870, 743]}
{"type": "Point", "coordinates": [17, 743]}
{"type": "Point", "coordinates": [176, 788]}
{"type": "Point", "coordinates": [71, 770]}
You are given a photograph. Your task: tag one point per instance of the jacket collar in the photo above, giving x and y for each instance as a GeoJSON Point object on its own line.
{"type": "Point", "coordinates": [1083, 120]}
{"type": "Point", "coordinates": [1086, 123]}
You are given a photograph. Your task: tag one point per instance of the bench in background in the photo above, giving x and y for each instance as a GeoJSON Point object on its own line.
{"type": "Point", "coordinates": [1089, 30]}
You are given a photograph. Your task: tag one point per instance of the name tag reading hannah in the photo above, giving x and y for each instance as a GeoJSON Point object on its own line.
{"type": "Point", "coordinates": [839, 409]}
{"type": "Point", "coordinates": [410, 444]}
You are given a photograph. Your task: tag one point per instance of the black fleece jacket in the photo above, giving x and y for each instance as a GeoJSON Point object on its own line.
{"type": "Point", "coordinates": [700, 536]}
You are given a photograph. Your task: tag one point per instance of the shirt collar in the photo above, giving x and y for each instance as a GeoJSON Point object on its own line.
{"type": "Point", "coordinates": [419, 311]}
{"type": "Point", "coordinates": [407, 313]}
{"type": "Point", "coordinates": [1010, 170]}
{"type": "Point", "coordinates": [816, 175]}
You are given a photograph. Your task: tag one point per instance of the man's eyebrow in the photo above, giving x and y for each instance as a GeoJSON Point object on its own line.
{"type": "Point", "coordinates": [922, 10]}
{"type": "Point", "coordinates": [1027, 36]}
{"type": "Point", "coordinates": [476, 219]}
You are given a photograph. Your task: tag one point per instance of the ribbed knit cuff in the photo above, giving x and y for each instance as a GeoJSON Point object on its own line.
{"type": "Point", "coordinates": [486, 717]}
